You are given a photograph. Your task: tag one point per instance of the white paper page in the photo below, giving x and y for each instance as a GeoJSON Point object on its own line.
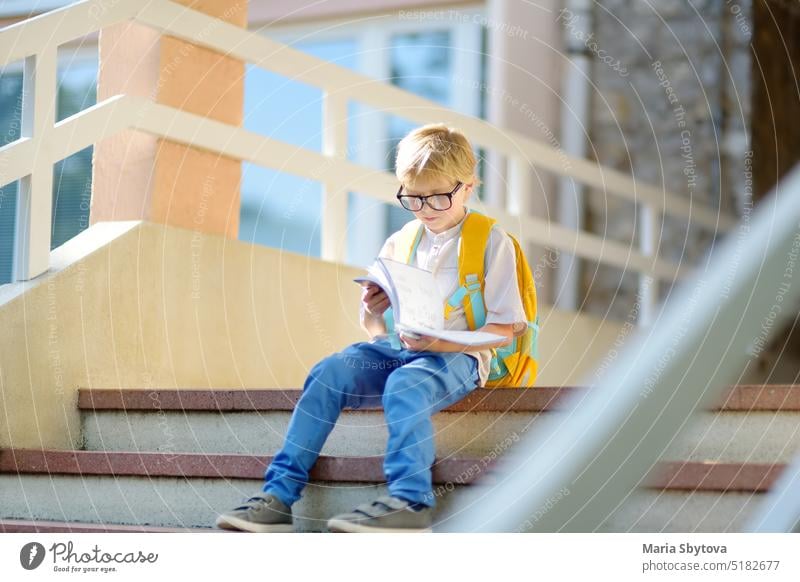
{"type": "Point", "coordinates": [466, 337]}
{"type": "Point", "coordinates": [417, 295]}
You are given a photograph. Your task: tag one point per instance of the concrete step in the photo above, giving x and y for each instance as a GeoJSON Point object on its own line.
{"type": "Point", "coordinates": [695, 497]}
{"type": "Point", "coordinates": [749, 424]}
{"type": "Point", "coordinates": [255, 421]}
{"type": "Point", "coordinates": [43, 526]}
{"type": "Point", "coordinates": [186, 490]}
{"type": "Point", "coordinates": [189, 490]}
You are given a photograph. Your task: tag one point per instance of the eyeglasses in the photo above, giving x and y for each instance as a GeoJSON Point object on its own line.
{"type": "Point", "coordinates": [435, 201]}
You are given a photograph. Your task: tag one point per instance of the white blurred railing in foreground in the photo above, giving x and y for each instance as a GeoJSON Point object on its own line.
{"type": "Point", "coordinates": [601, 450]}
{"type": "Point", "coordinates": [43, 143]}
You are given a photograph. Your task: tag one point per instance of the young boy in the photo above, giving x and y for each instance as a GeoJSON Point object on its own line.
{"type": "Point", "coordinates": [436, 168]}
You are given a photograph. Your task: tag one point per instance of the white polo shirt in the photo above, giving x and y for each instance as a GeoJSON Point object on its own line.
{"type": "Point", "coordinates": [439, 253]}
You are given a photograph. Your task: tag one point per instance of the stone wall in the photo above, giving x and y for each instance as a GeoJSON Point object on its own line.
{"type": "Point", "coordinates": [671, 106]}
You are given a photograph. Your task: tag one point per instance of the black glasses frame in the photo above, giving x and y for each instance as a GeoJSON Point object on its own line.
{"type": "Point", "coordinates": [424, 199]}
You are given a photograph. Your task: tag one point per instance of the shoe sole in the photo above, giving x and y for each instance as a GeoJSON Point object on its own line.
{"type": "Point", "coordinates": [344, 526]}
{"type": "Point", "coordinates": [235, 523]}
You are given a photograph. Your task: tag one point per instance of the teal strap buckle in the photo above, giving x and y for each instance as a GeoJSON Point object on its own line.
{"type": "Point", "coordinates": [473, 282]}
{"type": "Point", "coordinates": [476, 300]}
{"type": "Point", "coordinates": [499, 368]}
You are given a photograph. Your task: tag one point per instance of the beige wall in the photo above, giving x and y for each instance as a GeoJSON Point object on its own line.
{"type": "Point", "coordinates": [165, 307]}
{"type": "Point", "coordinates": [158, 306]}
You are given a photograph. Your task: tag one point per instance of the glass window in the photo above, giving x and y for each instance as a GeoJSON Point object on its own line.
{"type": "Point", "coordinates": [421, 63]}
{"type": "Point", "coordinates": [72, 176]}
{"type": "Point", "coordinates": [10, 119]}
{"type": "Point", "coordinates": [283, 211]}
{"type": "Point", "coordinates": [279, 209]}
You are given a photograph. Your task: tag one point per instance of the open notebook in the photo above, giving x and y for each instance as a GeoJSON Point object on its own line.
{"type": "Point", "coordinates": [417, 306]}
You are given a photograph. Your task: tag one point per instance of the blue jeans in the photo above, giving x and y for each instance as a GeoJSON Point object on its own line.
{"type": "Point", "coordinates": [410, 386]}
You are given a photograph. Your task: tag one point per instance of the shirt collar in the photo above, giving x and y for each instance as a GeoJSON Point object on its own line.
{"type": "Point", "coordinates": [447, 234]}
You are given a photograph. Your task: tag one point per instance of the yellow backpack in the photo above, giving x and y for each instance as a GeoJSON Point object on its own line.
{"type": "Point", "coordinates": [514, 365]}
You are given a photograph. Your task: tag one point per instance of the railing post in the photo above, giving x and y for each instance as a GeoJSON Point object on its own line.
{"type": "Point", "coordinates": [648, 243]}
{"type": "Point", "coordinates": [334, 193]}
{"type": "Point", "coordinates": [35, 193]}
{"type": "Point", "coordinates": [520, 186]}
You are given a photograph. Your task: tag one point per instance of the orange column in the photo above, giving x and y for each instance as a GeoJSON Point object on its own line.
{"type": "Point", "coordinates": [138, 176]}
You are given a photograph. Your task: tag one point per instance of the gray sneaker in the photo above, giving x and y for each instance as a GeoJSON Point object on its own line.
{"type": "Point", "coordinates": [260, 514]}
{"type": "Point", "coordinates": [384, 515]}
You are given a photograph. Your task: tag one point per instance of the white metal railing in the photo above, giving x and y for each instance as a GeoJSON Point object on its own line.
{"type": "Point", "coordinates": [30, 159]}
{"type": "Point", "coordinates": [780, 509]}
{"type": "Point", "coordinates": [601, 450]}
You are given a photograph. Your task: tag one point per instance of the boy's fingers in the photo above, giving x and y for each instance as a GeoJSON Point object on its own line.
{"type": "Point", "coordinates": [374, 292]}
{"type": "Point", "coordinates": [378, 300]}
{"type": "Point", "coordinates": [378, 305]}
{"type": "Point", "coordinates": [375, 301]}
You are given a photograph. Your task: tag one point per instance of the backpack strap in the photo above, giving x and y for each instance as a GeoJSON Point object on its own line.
{"type": "Point", "coordinates": [471, 262]}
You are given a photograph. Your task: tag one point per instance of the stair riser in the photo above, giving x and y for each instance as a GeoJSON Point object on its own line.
{"type": "Point", "coordinates": [683, 512]}
{"type": "Point", "coordinates": [752, 437]}
{"type": "Point", "coordinates": [739, 437]}
{"type": "Point", "coordinates": [355, 434]}
{"type": "Point", "coordinates": [173, 502]}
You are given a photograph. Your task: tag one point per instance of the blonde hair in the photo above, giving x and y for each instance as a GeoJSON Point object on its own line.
{"type": "Point", "coordinates": [435, 150]}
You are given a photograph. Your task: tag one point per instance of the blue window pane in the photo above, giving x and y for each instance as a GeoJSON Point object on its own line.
{"type": "Point", "coordinates": [10, 122]}
{"type": "Point", "coordinates": [421, 64]}
{"type": "Point", "coordinates": [279, 209]}
{"type": "Point", "coordinates": [77, 86]}
{"type": "Point", "coordinates": [10, 106]}
{"type": "Point", "coordinates": [8, 210]}
{"type": "Point", "coordinates": [72, 193]}
{"type": "Point", "coordinates": [72, 176]}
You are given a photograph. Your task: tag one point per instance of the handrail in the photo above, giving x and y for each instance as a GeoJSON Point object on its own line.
{"type": "Point", "coordinates": [780, 509]}
{"type": "Point", "coordinates": [51, 29]}
{"type": "Point", "coordinates": [339, 85]}
{"type": "Point", "coordinates": [240, 144]}
{"type": "Point", "coordinates": [279, 58]}
{"type": "Point", "coordinates": [573, 471]}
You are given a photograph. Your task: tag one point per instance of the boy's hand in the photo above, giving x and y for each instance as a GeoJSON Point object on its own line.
{"type": "Point", "coordinates": [424, 343]}
{"type": "Point", "coordinates": [374, 299]}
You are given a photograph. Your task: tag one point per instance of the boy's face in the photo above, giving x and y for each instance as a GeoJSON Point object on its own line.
{"type": "Point", "coordinates": [439, 220]}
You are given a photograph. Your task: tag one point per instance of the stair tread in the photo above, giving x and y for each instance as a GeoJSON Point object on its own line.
{"type": "Point", "coordinates": [667, 475]}
{"type": "Point", "coordinates": [783, 397]}
{"type": "Point", "coordinates": [46, 526]}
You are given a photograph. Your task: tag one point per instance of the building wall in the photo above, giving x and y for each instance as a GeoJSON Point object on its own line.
{"type": "Point", "coordinates": [143, 305]}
